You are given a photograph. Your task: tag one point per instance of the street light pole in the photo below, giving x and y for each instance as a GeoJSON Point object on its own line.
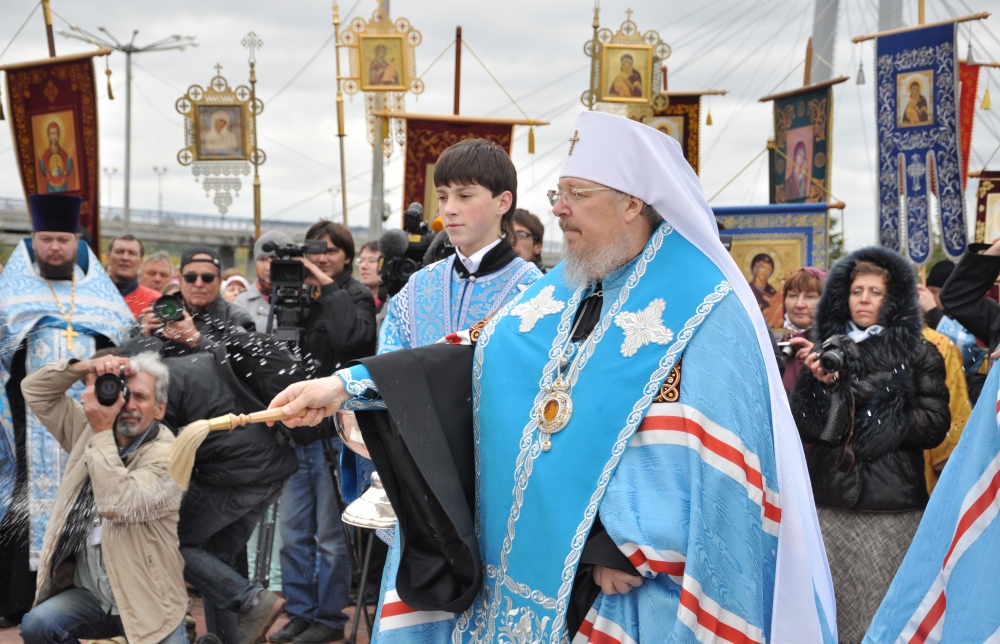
{"type": "Point", "coordinates": [171, 42]}
{"type": "Point", "coordinates": [109, 173]}
{"type": "Point", "coordinates": [159, 179]}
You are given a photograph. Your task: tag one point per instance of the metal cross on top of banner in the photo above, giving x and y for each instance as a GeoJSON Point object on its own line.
{"type": "Point", "coordinates": [383, 65]}
{"type": "Point", "coordinates": [220, 134]}
{"type": "Point", "coordinates": [624, 70]}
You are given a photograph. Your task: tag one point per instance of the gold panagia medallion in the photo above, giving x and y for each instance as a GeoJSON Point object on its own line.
{"type": "Point", "coordinates": [553, 413]}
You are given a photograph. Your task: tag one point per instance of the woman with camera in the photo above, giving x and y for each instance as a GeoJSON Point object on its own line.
{"type": "Point", "coordinates": [872, 397]}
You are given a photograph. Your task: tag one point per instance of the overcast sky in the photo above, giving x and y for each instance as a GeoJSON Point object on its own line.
{"type": "Point", "coordinates": [535, 48]}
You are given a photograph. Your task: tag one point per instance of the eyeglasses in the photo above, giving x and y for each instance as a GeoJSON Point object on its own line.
{"type": "Point", "coordinates": [524, 235]}
{"type": "Point", "coordinates": [207, 278]}
{"type": "Point", "coordinates": [571, 196]}
{"type": "Point", "coordinates": [366, 260]}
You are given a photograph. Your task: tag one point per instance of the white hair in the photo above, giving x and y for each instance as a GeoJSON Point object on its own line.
{"type": "Point", "coordinates": [150, 362]}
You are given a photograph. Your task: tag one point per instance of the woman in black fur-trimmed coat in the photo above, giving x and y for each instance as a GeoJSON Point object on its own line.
{"type": "Point", "coordinates": [867, 467]}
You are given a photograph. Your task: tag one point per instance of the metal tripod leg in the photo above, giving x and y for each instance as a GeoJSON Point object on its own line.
{"type": "Point", "coordinates": [362, 606]}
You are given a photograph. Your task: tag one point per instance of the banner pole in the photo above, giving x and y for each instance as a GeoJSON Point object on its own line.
{"type": "Point", "coordinates": [47, 12]}
{"type": "Point", "coordinates": [340, 112]}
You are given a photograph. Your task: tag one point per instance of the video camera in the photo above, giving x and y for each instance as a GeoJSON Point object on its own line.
{"type": "Point", "coordinates": [403, 250]}
{"type": "Point", "coordinates": [290, 300]}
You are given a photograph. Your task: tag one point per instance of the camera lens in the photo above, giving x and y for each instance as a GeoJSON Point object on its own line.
{"type": "Point", "coordinates": [107, 388]}
{"type": "Point", "coordinates": [832, 360]}
{"type": "Point", "coordinates": [168, 308]}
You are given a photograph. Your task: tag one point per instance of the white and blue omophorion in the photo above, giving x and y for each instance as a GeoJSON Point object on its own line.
{"type": "Point", "coordinates": [706, 495]}
{"type": "Point", "coordinates": [946, 589]}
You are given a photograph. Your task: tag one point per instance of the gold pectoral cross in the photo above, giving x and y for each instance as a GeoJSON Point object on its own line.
{"type": "Point", "coordinates": [69, 334]}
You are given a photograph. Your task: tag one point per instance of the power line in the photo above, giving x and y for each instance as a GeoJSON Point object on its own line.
{"type": "Point", "coordinates": [304, 68]}
{"type": "Point", "coordinates": [19, 29]}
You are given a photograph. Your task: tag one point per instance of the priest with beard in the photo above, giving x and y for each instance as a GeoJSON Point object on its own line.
{"type": "Point", "coordinates": [56, 303]}
{"type": "Point", "coordinates": [611, 456]}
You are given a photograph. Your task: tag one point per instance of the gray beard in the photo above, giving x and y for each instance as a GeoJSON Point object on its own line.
{"type": "Point", "coordinates": [129, 427]}
{"type": "Point", "coordinates": [592, 264]}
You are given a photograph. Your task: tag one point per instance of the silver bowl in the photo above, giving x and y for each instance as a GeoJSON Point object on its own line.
{"type": "Point", "coordinates": [349, 432]}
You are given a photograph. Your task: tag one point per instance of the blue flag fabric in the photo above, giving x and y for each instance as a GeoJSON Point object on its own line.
{"type": "Point", "coordinates": [947, 587]}
{"type": "Point", "coordinates": [918, 141]}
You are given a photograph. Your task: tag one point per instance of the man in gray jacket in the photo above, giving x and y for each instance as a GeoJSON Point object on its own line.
{"type": "Point", "coordinates": [110, 562]}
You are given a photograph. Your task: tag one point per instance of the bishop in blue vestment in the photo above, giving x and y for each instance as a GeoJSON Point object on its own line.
{"type": "Point", "coordinates": [56, 303]}
{"type": "Point", "coordinates": [613, 460]}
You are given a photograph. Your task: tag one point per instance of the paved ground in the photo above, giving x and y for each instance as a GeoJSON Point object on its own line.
{"type": "Point", "coordinates": [10, 635]}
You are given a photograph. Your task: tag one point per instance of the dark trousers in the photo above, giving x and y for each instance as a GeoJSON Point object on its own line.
{"type": "Point", "coordinates": [215, 525]}
{"type": "Point", "coordinates": [75, 614]}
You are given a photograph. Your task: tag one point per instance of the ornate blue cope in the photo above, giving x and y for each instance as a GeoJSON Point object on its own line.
{"type": "Point", "coordinates": [28, 313]}
{"type": "Point", "coordinates": [532, 526]}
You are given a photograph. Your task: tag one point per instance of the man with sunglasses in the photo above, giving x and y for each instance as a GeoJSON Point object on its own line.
{"type": "Point", "coordinates": [208, 318]}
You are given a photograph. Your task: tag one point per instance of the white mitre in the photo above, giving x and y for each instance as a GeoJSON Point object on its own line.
{"type": "Point", "coordinates": [643, 162]}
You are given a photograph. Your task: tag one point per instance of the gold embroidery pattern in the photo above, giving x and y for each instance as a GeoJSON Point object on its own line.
{"type": "Point", "coordinates": [670, 392]}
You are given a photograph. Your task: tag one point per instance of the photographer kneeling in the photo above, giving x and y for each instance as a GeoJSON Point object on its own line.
{"type": "Point", "coordinates": [872, 398]}
{"type": "Point", "coordinates": [116, 511]}
{"type": "Point", "coordinates": [338, 326]}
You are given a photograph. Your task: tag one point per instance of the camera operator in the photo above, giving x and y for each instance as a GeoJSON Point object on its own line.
{"type": "Point", "coordinates": [236, 476]}
{"type": "Point", "coordinates": [207, 318]}
{"type": "Point", "coordinates": [339, 326]}
{"type": "Point", "coordinates": [256, 300]}
{"type": "Point", "coordinates": [110, 563]}
{"type": "Point", "coordinates": [872, 397]}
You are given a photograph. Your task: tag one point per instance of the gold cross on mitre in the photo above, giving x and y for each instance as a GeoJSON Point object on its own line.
{"type": "Point", "coordinates": [69, 334]}
{"type": "Point", "coordinates": [572, 141]}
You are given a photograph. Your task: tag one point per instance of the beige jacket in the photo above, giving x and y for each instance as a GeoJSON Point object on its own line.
{"type": "Point", "coordinates": [138, 501]}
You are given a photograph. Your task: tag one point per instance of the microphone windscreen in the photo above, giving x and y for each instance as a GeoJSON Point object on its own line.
{"type": "Point", "coordinates": [416, 207]}
{"type": "Point", "coordinates": [393, 243]}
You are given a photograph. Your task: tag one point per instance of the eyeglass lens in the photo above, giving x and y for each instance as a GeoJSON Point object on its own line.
{"type": "Point", "coordinates": [207, 278]}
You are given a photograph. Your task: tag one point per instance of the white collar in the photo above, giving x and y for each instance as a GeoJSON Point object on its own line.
{"type": "Point", "coordinates": [472, 262]}
{"type": "Point", "coordinates": [859, 335]}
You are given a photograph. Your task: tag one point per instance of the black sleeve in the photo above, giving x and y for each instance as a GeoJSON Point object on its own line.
{"type": "Point", "coordinates": [963, 296]}
{"type": "Point", "coordinates": [422, 448]}
{"type": "Point", "coordinates": [348, 317]}
{"type": "Point", "coordinates": [931, 414]}
{"type": "Point", "coordinates": [933, 317]}
{"type": "Point", "coordinates": [810, 405]}
{"type": "Point", "coordinates": [240, 318]}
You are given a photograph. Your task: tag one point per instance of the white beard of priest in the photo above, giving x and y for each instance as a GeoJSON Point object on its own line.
{"type": "Point", "coordinates": [626, 466]}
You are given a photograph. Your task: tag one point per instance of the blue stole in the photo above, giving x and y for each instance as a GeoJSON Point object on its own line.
{"type": "Point", "coordinates": [536, 508]}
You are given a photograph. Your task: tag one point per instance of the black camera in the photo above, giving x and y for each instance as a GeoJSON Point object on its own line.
{"type": "Point", "coordinates": [403, 250]}
{"type": "Point", "coordinates": [288, 273]}
{"type": "Point", "coordinates": [108, 386]}
{"type": "Point", "coordinates": [786, 349]}
{"type": "Point", "coordinates": [837, 353]}
{"type": "Point", "coordinates": [169, 308]}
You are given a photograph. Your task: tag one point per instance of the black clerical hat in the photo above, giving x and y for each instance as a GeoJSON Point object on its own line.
{"type": "Point", "coordinates": [54, 213]}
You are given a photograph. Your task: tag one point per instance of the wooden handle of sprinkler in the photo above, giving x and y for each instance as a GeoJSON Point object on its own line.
{"type": "Point", "coordinates": [232, 421]}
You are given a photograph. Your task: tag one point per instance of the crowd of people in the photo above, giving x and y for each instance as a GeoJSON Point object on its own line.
{"type": "Point", "coordinates": [880, 367]}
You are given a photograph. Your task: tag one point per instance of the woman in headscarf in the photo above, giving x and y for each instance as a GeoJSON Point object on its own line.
{"type": "Point", "coordinates": [870, 422]}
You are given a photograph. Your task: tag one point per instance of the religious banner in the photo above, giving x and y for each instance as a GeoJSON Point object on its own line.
{"type": "Point", "coordinates": [968, 78]}
{"type": "Point", "coordinates": [680, 118]}
{"type": "Point", "coordinates": [800, 159]}
{"type": "Point", "coordinates": [988, 207]}
{"type": "Point", "coordinates": [918, 138]}
{"type": "Point", "coordinates": [53, 122]}
{"type": "Point", "coordinates": [770, 242]}
{"type": "Point", "coordinates": [427, 136]}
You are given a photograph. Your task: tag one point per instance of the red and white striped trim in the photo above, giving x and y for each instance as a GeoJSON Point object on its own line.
{"type": "Point", "coordinates": [979, 508]}
{"type": "Point", "coordinates": [600, 630]}
{"type": "Point", "coordinates": [710, 622]}
{"type": "Point", "coordinates": [395, 614]}
{"type": "Point", "coordinates": [720, 448]}
{"type": "Point", "coordinates": [650, 561]}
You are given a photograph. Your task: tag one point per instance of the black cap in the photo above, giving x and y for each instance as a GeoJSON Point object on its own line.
{"type": "Point", "coordinates": [188, 256]}
{"type": "Point", "coordinates": [57, 213]}
{"type": "Point", "coordinates": [940, 273]}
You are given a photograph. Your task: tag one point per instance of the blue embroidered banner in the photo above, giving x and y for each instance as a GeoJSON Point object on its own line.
{"type": "Point", "coordinates": [918, 142]}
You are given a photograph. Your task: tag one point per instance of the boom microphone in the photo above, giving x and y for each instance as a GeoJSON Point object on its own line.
{"type": "Point", "coordinates": [393, 243]}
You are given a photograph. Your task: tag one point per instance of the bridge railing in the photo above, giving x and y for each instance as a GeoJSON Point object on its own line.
{"type": "Point", "coordinates": [181, 219]}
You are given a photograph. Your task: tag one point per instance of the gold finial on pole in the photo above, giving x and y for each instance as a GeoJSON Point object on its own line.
{"type": "Point", "coordinates": [340, 111]}
{"type": "Point", "coordinates": [47, 12]}
{"type": "Point", "coordinates": [809, 62]}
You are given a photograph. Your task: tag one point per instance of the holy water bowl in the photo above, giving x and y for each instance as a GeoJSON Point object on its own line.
{"type": "Point", "coordinates": [349, 432]}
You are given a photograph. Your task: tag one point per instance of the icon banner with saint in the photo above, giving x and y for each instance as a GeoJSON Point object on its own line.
{"type": "Point", "coordinates": [918, 142]}
{"type": "Point", "coordinates": [53, 114]}
{"type": "Point", "coordinates": [800, 161]}
{"type": "Point", "coordinates": [988, 207]}
{"type": "Point", "coordinates": [770, 242]}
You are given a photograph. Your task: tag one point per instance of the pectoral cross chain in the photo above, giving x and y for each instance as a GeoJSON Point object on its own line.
{"type": "Point", "coordinates": [69, 334]}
